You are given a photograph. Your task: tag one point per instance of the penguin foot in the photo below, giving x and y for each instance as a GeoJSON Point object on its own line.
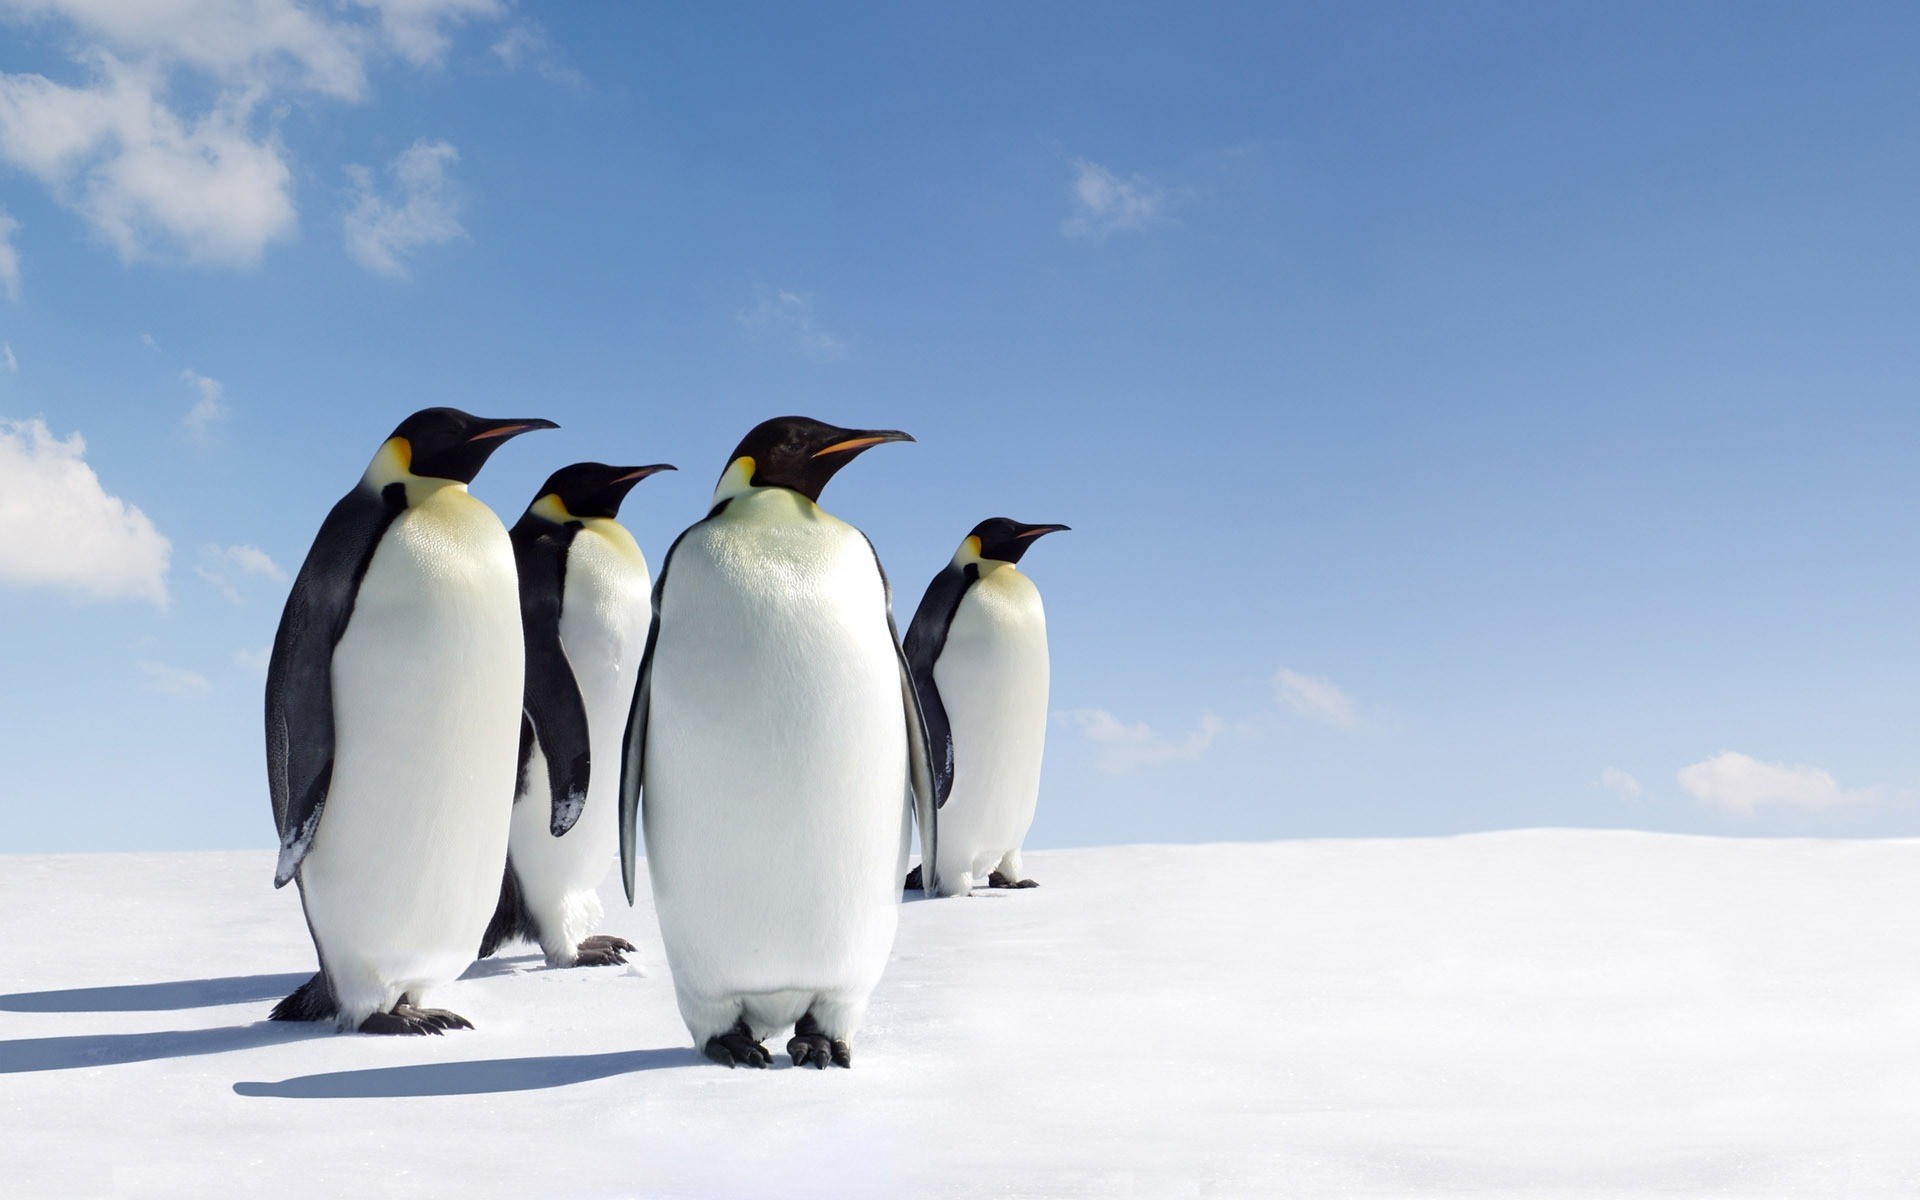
{"type": "Point", "coordinates": [811, 1048]}
{"type": "Point", "coordinates": [913, 883]}
{"type": "Point", "coordinates": [737, 1047]}
{"type": "Point", "coordinates": [406, 1020]}
{"type": "Point", "coordinates": [602, 951]}
{"type": "Point", "coordinates": [997, 880]}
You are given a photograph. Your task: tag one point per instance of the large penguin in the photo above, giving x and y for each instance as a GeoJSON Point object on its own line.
{"type": "Point", "coordinates": [778, 743]}
{"type": "Point", "coordinates": [584, 607]}
{"type": "Point", "coordinates": [978, 651]}
{"type": "Point", "coordinates": [393, 701]}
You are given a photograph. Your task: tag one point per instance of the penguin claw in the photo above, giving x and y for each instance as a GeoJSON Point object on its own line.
{"type": "Point", "coordinates": [913, 883]}
{"type": "Point", "coordinates": [597, 956]}
{"type": "Point", "coordinates": [407, 1021]}
{"type": "Point", "coordinates": [810, 1050]}
{"type": "Point", "coordinates": [603, 941]}
{"type": "Point", "coordinates": [737, 1047]}
{"type": "Point", "coordinates": [997, 880]}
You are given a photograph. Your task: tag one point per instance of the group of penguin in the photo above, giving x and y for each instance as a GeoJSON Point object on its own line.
{"type": "Point", "coordinates": [462, 722]}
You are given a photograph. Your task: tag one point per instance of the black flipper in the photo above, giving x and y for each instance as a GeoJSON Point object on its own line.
{"type": "Point", "coordinates": [926, 638]}
{"type": "Point", "coordinates": [923, 801]}
{"type": "Point", "coordinates": [552, 699]}
{"type": "Point", "coordinates": [311, 1001]}
{"type": "Point", "coordinates": [300, 672]}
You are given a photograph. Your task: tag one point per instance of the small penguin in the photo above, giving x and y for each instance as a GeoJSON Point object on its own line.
{"type": "Point", "coordinates": [393, 700]}
{"type": "Point", "coordinates": [585, 610]}
{"type": "Point", "coordinates": [779, 746]}
{"type": "Point", "coordinates": [978, 651]}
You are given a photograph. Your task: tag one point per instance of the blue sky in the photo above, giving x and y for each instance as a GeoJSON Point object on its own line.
{"type": "Point", "coordinates": [1469, 417]}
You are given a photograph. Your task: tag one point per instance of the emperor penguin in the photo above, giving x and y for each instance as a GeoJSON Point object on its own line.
{"type": "Point", "coordinates": [778, 748]}
{"type": "Point", "coordinates": [978, 651]}
{"type": "Point", "coordinates": [393, 703]}
{"type": "Point", "coordinates": [585, 612]}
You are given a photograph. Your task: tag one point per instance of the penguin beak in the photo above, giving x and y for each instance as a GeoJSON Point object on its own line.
{"type": "Point", "coordinates": [636, 474]}
{"type": "Point", "coordinates": [861, 439]}
{"type": "Point", "coordinates": [513, 428]}
{"type": "Point", "coordinates": [1034, 531]}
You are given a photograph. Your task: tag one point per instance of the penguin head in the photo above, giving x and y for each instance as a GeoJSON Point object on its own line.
{"type": "Point", "coordinates": [589, 489]}
{"type": "Point", "coordinates": [796, 453]}
{"type": "Point", "coordinates": [1000, 539]}
{"type": "Point", "coordinates": [447, 444]}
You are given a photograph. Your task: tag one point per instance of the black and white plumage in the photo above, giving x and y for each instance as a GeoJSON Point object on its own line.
{"type": "Point", "coordinates": [585, 611]}
{"type": "Point", "coordinates": [977, 648]}
{"type": "Point", "coordinates": [393, 696]}
{"type": "Point", "coordinates": [777, 745]}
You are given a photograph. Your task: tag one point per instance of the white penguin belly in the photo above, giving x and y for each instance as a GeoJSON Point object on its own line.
{"type": "Point", "coordinates": [776, 763]}
{"type": "Point", "coordinates": [605, 611]}
{"type": "Point", "coordinates": [992, 675]}
{"type": "Point", "coordinates": [405, 867]}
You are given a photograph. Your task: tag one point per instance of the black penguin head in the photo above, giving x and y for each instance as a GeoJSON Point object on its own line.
{"type": "Point", "coordinates": [799, 453]}
{"type": "Point", "coordinates": [445, 443]}
{"type": "Point", "coordinates": [591, 489]}
{"type": "Point", "coordinates": [1005, 540]}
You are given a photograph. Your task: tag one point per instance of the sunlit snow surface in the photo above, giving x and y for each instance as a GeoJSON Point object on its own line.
{"type": "Point", "coordinates": [1524, 1014]}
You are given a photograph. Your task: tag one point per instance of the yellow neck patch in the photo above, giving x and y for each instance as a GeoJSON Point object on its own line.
{"type": "Point", "coordinates": [736, 480]}
{"type": "Point", "coordinates": [550, 507]}
{"type": "Point", "coordinates": [393, 463]}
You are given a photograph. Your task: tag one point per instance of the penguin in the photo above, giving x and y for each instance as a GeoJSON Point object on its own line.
{"type": "Point", "coordinates": [777, 745]}
{"type": "Point", "coordinates": [585, 611]}
{"type": "Point", "coordinates": [393, 701]}
{"type": "Point", "coordinates": [977, 648]}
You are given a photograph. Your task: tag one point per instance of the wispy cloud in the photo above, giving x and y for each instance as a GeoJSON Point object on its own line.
{"type": "Point", "coordinates": [254, 661]}
{"type": "Point", "coordinates": [168, 143]}
{"type": "Point", "coordinates": [1105, 204]}
{"type": "Point", "coordinates": [9, 256]}
{"type": "Point", "coordinates": [59, 527]}
{"type": "Point", "coordinates": [225, 567]}
{"type": "Point", "coordinates": [146, 339]}
{"type": "Point", "coordinates": [173, 681]}
{"type": "Point", "coordinates": [1621, 784]}
{"type": "Point", "coordinates": [526, 46]}
{"type": "Point", "coordinates": [1315, 698]}
{"type": "Point", "coordinates": [7, 359]}
{"type": "Point", "coordinates": [1742, 785]}
{"type": "Point", "coordinates": [422, 209]}
{"type": "Point", "coordinates": [208, 405]}
{"type": "Point", "coordinates": [1124, 747]}
{"type": "Point", "coordinates": [787, 318]}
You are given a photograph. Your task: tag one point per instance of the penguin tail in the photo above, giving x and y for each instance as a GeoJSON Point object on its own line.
{"type": "Point", "coordinates": [511, 920]}
{"type": "Point", "coordinates": [311, 1001]}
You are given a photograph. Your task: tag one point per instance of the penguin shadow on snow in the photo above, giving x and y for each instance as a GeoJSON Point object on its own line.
{"type": "Point", "coordinates": [170, 996]}
{"type": "Point", "coordinates": [74, 1051]}
{"type": "Point", "coordinates": [475, 1077]}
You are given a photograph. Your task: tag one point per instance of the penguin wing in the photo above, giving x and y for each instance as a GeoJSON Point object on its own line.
{"type": "Point", "coordinates": [554, 708]}
{"type": "Point", "coordinates": [300, 671]}
{"type": "Point", "coordinates": [633, 756]}
{"type": "Point", "coordinates": [923, 800]}
{"type": "Point", "coordinates": [926, 638]}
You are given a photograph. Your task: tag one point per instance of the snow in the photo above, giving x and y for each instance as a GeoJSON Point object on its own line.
{"type": "Point", "coordinates": [1519, 1014]}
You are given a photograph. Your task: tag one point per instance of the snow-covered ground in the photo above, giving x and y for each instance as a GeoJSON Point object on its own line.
{"type": "Point", "coordinates": [1523, 1014]}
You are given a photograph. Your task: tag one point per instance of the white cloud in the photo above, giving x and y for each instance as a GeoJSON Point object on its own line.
{"type": "Point", "coordinates": [254, 661]}
{"type": "Point", "coordinates": [1106, 204]}
{"type": "Point", "coordinates": [9, 256]}
{"type": "Point", "coordinates": [174, 681]}
{"type": "Point", "coordinates": [168, 144]}
{"type": "Point", "coordinates": [225, 566]}
{"type": "Point", "coordinates": [526, 46]}
{"type": "Point", "coordinates": [787, 317]}
{"type": "Point", "coordinates": [146, 339]}
{"type": "Point", "coordinates": [7, 359]}
{"type": "Point", "coordinates": [1741, 785]}
{"type": "Point", "coordinates": [423, 210]}
{"type": "Point", "coordinates": [59, 527]}
{"type": "Point", "coordinates": [1316, 698]}
{"type": "Point", "coordinates": [207, 408]}
{"type": "Point", "coordinates": [1125, 747]}
{"type": "Point", "coordinates": [1620, 783]}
